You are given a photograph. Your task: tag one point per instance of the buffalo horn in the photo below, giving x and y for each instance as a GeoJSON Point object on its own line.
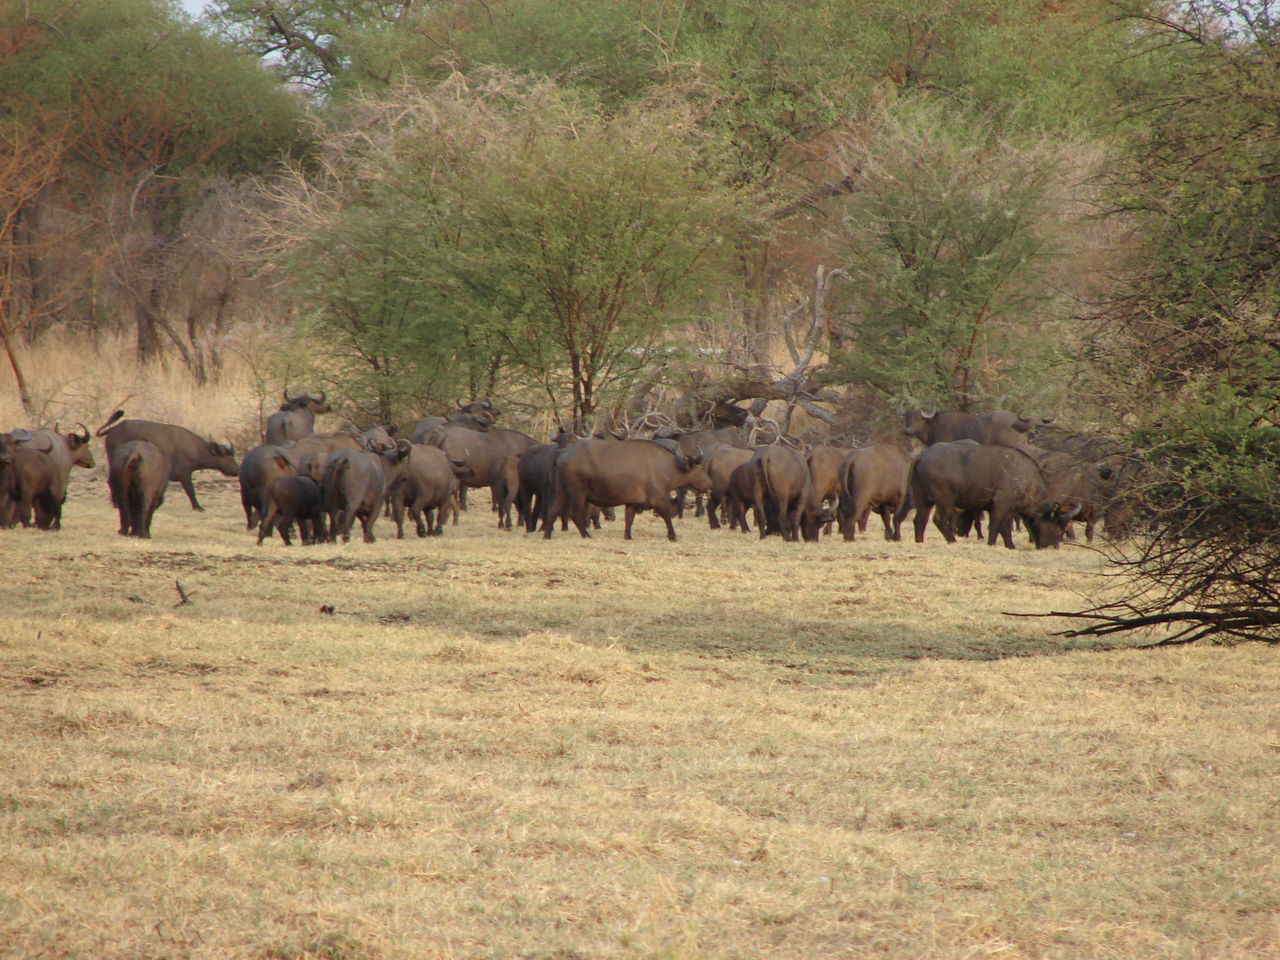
{"type": "Point", "coordinates": [1023, 417]}
{"type": "Point", "coordinates": [403, 445]}
{"type": "Point", "coordinates": [931, 414]}
{"type": "Point", "coordinates": [457, 401]}
{"type": "Point", "coordinates": [1072, 513]}
{"type": "Point", "coordinates": [85, 437]}
{"type": "Point", "coordinates": [321, 397]}
{"type": "Point", "coordinates": [287, 398]}
{"type": "Point", "coordinates": [488, 404]}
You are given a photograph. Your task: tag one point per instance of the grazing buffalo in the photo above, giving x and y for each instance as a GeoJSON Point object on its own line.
{"type": "Point", "coordinates": [719, 466]}
{"type": "Point", "coordinates": [637, 474]}
{"type": "Point", "coordinates": [259, 467]}
{"type": "Point", "coordinates": [291, 498]}
{"type": "Point", "coordinates": [1002, 427]}
{"type": "Point", "coordinates": [138, 473]}
{"type": "Point", "coordinates": [824, 464]}
{"type": "Point", "coordinates": [1008, 481]}
{"type": "Point", "coordinates": [425, 488]}
{"type": "Point", "coordinates": [873, 478]}
{"type": "Point", "coordinates": [296, 418]}
{"type": "Point", "coordinates": [185, 451]}
{"type": "Point", "coordinates": [790, 507]}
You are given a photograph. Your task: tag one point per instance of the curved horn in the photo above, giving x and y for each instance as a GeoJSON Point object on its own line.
{"type": "Point", "coordinates": [85, 437]}
{"type": "Point", "coordinates": [457, 402]}
{"type": "Point", "coordinates": [930, 415]}
{"type": "Point", "coordinates": [1072, 513]}
{"type": "Point", "coordinates": [1022, 416]}
{"type": "Point", "coordinates": [488, 404]}
{"type": "Point", "coordinates": [322, 396]}
{"type": "Point", "coordinates": [287, 398]}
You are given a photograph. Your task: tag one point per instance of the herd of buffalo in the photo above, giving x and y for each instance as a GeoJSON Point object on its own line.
{"type": "Point", "coordinates": [1012, 467]}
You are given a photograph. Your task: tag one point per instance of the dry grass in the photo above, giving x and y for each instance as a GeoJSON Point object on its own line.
{"type": "Point", "coordinates": [499, 747]}
{"type": "Point", "coordinates": [83, 379]}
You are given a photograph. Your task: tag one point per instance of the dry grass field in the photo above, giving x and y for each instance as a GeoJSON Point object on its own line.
{"type": "Point", "coordinates": [496, 747]}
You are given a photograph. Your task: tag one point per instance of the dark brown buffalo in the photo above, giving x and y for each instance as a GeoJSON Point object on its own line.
{"type": "Point", "coordinates": [311, 452]}
{"type": "Point", "coordinates": [1069, 478]}
{"type": "Point", "coordinates": [1007, 481]}
{"type": "Point", "coordinates": [536, 476]}
{"type": "Point", "coordinates": [355, 483]}
{"type": "Point", "coordinates": [31, 486]}
{"type": "Point", "coordinates": [296, 418]}
{"type": "Point", "coordinates": [824, 462]}
{"type": "Point", "coordinates": [637, 474]}
{"type": "Point", "coordinates": [291, 498]}
{"type": "Point", "coordinates": [720, 464]}
{"type": "Point", "coordinates": [425, 488]}
{"type": "Point", "coordinates": [700, 443]}
{"type": "Point", "coordinates": [873, 478]}
{"type": "Point", "coordinates": [480, 459]}
{"type": "Point", "coordinates": [1002, 427]}
{"type": "Point", "coordinates": [67, 450]}
{"type": "Point", "coordinates": [138, 473]}
{"type": "Point", "coordinates": [185, 451]}
{"type": "Point", "coordinates": [745, 492]}
{"type": "Point", "coordinates": [478, 415]}
{"type": "Point", "coordinates": [790, 507]}
{"type": "Point", "coordinates": [259, 467]}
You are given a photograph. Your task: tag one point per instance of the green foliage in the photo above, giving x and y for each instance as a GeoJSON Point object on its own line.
{"type": "Point", "coordinates": [137, 87]}
{"type": "Point", "coordinates": [508, 223]}
{"type": "Point", "coordinates": [944, 240]}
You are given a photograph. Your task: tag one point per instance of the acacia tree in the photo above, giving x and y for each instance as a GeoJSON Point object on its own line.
{"type": "Point", "coordinates": [945, 242]}
{"type": "Point", "coordinates": [490, 221]}
{"type": "Point", "coordinates": [151, 112]}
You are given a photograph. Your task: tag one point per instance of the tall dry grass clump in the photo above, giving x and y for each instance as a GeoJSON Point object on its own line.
{"type": "Point", "coordinates": [83, 378]}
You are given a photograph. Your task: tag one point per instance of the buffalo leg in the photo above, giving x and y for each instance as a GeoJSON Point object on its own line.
{"type": "Point", "coordinates": [630, 515]}
{"type": "Point", "coordinates": [190, 488]}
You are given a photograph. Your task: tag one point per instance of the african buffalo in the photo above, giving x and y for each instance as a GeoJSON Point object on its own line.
{"type": "Point", "coordinates": [289, 498]}
{"type": "Point", "coordinates": [138, 473]}
{"type": "Point", "coordinates": [31, 485]}
{"type": "Point", "coordinates": [824, 463]}
{"type": "Point", "coordinates": [872, 478]}
{"type": "Point", "coordinates": [311, 452]}
{"type": "Point", "coordinates": [536, 475]}
{"type": "Point", "coordinates": [720, 464]}
{"type": "Point", "coordinates": [355, 483]}
{"type": "Point", "coordinates": [425, 488]}
{"type": "Point", "coordinates": [67, 450]}
{"type": "Point", "coordinates": [790, 507]}
{"type": "Point", "coordinates": [185, 451]}
{"type": "Point", "coordinates": [637, 474]}
{"type": "Point", "coordinates": [480, 459]}
{"type": "Point", "coordinates": [742, 492]}
{"type": "Point", "coordinates": [1002, 427]}
{"type": "Point", "coordinates": [1008, 481]}
{"type": "Point", "coordinates": [296, 418]}
{"type": "Point", "coordinates": [259, 467]}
